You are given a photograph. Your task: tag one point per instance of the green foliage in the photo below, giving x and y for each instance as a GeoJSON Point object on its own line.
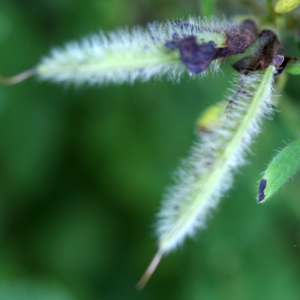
{"type": "Point", "coordinates": [33, 290]}
{"type": "Point", "coordinates": [208, 7]}
{"type": "Point", "coordinates": [82, 171]}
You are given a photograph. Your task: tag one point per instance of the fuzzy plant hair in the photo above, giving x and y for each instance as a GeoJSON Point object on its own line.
{"type": "Point", "coordinates": [160, 49]}
{"type": "Point", "coordinates": [169, 49]}
{"type": "Point", "coordinates": [207, 174]}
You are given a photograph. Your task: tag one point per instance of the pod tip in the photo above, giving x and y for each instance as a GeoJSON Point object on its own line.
{"type": "Point", "coordinates": [150, 270]}
{"type": "Point", "coordinates": [17, 78]}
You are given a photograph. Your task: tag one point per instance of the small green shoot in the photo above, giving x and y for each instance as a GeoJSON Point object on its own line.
{"type": "Point", "coordinates": [284, 6]}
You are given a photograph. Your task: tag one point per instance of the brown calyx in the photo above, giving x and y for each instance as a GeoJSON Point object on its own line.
{"type": "Point", "coordinates": [241, 37]}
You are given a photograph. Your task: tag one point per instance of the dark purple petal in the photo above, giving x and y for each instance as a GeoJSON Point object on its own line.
{"type": "Point", "coordinates": [196, 57]}
{"type": "Point", "coordinates": [261, 195]}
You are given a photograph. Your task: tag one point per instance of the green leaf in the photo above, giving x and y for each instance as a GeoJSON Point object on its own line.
{"type": "Point", "coordinates": [281, 168]}
{"type": "Point", "coordinates": [283, 6]}
{"type": "Point", "coordinates": [294, 68]}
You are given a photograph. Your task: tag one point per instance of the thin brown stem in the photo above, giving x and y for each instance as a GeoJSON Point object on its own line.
{"type": "Point", "coordinates": [17, 78]}
{"type": "Point", "coordinates": [151, 268]}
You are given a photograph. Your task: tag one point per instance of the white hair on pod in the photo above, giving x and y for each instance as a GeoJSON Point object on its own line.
{"type": "Point", "coordinates": [208, 172]}
{"type": "Point", "coordinates": [129, 55]}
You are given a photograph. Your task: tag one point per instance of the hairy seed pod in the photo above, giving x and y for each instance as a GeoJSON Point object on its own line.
{"type": "Point", "coordinates": [208, 173]}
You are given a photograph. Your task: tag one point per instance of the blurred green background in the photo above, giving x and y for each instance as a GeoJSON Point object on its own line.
{"type": "Point", "coordinates": [82, 171]}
